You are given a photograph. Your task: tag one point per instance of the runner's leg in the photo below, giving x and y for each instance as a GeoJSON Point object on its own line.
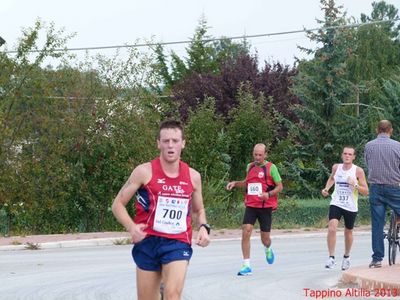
{"type": "Point", "coordinates": [148, 284]}
{"type": "Point", "coordinates": [246, 234]}
{"type": "Point", "coordinates": [331, 237]}
{"type": "Point", "coordinates": [265, 219]}
{"type": "Point", "coordinates": [348, 241]}
{"type": "Point", "coordinates": [174, 274]}
{"type": "Point", "coordinates": [249, 220]}
{"type": "Point", "coordinates": [349, 220]}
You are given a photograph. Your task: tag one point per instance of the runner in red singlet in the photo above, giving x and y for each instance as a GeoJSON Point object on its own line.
{"type": "Point", "coordinates": [263, 184]}
{"type": "Point", "coordinates": [168, 193]}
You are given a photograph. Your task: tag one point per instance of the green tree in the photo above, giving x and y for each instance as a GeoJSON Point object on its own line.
{"type": "Point", "coordinates": [69, 136]}
{"type": "Point", "coordinates": [118, 129]}
{"type": "Point", "coordinates": [204, 55]}
{"type": "Point", "coordinates": [205, 127]}
{"type": "Point", "coordinates": [376, 50]}
{"type": "Point", "coordinates": [249, 126]}
{"type": "Point", "coordinates": [376, 57]}
{"type": "Point", "coordinates": [390, 98]}
{"type": "Point", "coordinates": [321, 84]}
{"type": "Point", "coordinates": [29, 148]}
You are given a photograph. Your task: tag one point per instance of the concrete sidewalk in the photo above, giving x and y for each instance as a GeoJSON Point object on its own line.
{"type": "Point", "coordinates": [385, 280]}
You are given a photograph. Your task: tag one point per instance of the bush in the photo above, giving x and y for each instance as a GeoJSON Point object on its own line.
{"type": "Point", "coordinates": [295, 213]}
{"type": "Point", "coordinates": [222, 211]}
{"type": "Point", "coordinates": [249, 126]}
{"type": "Point", "coordinates": [205, 129]}
{"type": "Point", "coordinates": [291, 213]}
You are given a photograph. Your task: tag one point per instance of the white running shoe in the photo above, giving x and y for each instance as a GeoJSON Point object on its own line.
{"type": "Point", "coordinates": [330, 264]}
{"type": "Point", "coordinates": [345, 263]}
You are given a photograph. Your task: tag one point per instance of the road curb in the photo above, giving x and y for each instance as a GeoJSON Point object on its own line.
{"type": "Point", "coordinates": [384, 279]}
{"type": "Point", "coordinates": [115, 240]}
{"type": "Point", "coordinates": [66, 244]}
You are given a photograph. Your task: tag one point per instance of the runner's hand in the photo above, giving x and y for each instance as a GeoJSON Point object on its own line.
{"type": "Point", "coordinates": [203, 239]}
{"type": "Point", "coordinates": [230, 185]}
{"type": "Point", "coordinates": [137, 232]}
{"type": "Point", "coordinates": [264, 196]}
{"type": "Point", "coordinates": [351, 181]}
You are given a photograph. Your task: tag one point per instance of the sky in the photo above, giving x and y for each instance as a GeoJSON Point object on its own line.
{"type": "Point", "coordinates": [106, 23]}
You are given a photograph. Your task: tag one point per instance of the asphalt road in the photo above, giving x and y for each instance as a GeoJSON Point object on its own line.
{"type": "Point", "coordinates": [107, 272]}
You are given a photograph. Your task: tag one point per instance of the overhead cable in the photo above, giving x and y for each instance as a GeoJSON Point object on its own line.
{"type": "Point", "coordinates": [213, 39]}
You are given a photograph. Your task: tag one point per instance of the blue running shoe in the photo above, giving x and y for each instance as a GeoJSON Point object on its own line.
{"type": "Point", "coordinates": [244, 271]}
{"type": "Point", "coordinates": [269, 254]}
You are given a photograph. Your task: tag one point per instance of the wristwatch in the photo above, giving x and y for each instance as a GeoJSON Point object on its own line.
{"type": "Point", "coordinates": [206, 226]}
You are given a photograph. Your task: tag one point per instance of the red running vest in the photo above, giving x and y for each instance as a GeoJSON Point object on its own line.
{"type": "Point", "coordinates": [260, 176]}
{"type": "Point", "coordinates": [164, 204]}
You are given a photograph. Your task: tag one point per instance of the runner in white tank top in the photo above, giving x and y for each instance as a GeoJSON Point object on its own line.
{"type": "Point", "coordinates": [349, 180]}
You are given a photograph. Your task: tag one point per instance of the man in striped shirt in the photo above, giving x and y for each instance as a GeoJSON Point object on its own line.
{"type": "Point", "coordinates": [382, 156]}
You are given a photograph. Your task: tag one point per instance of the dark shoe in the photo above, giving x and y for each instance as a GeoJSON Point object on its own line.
{"type": "Point", "coordinates": [375, 264]}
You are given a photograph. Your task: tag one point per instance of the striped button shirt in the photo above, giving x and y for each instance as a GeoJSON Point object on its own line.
{"type": "Point", "coordinates": [382, 156]}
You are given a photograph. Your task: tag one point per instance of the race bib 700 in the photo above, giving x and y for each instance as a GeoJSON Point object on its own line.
{"type": "Point", "coordinates": [170, 216]}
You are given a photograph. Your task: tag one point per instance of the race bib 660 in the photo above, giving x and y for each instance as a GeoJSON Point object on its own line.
{"type": "Point", "coordinates": [254, 188]}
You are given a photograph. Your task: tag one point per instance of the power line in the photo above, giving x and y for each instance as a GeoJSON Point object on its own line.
{"type": "Point", "coordinates": [213, 39]}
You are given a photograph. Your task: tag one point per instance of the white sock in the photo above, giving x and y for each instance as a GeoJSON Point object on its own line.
{"type": "Point", "coordinates": [246, 262]}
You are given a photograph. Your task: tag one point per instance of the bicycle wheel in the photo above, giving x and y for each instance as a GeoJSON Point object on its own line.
{"type": "Point", "coordinates": [392, 238]}
{"type": "Point", "coordinates": [396, 243]}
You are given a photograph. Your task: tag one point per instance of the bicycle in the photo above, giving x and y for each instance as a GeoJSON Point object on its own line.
{"type": "Point", "coordinates": [393, 237]}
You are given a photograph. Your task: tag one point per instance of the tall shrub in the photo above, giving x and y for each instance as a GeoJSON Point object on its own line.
{"type": "Point", "coordinates": [250, 125]}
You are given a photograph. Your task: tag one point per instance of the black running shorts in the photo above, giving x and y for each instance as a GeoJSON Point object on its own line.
{"type": "Point", "coordinates": [263, 215]}
{"type": "Point", "coordinates": [349, 217]}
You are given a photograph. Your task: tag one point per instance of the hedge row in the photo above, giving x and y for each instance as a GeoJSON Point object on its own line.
{"type": "Point", "coordinates": [291, 213]}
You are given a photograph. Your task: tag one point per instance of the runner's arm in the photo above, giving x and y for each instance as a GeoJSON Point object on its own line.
{"type": "Point", "coordinates": [138, 177]}
{"type": "Point", "coordinates": [278, 188]}
{"type": "Point", "coordinates": [330, 182]}
{"type": "Point", "coordinates": [234, 184]}
{"type": "Point", "coordinates": [198, 211]}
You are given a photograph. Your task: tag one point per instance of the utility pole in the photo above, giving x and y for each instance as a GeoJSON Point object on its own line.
{"type": "Point", "coordinates": [357, 101]}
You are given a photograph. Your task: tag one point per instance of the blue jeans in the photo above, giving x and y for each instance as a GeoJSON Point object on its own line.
{"type": "Point", "coordinates": [380, 197]}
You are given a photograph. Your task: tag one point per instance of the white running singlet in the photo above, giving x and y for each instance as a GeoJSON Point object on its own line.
{"type": "Point", "coordinates": [344, 195]}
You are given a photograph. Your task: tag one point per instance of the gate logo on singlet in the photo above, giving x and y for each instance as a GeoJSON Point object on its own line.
{"type": "Point", "coordinates": [177, 189]}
